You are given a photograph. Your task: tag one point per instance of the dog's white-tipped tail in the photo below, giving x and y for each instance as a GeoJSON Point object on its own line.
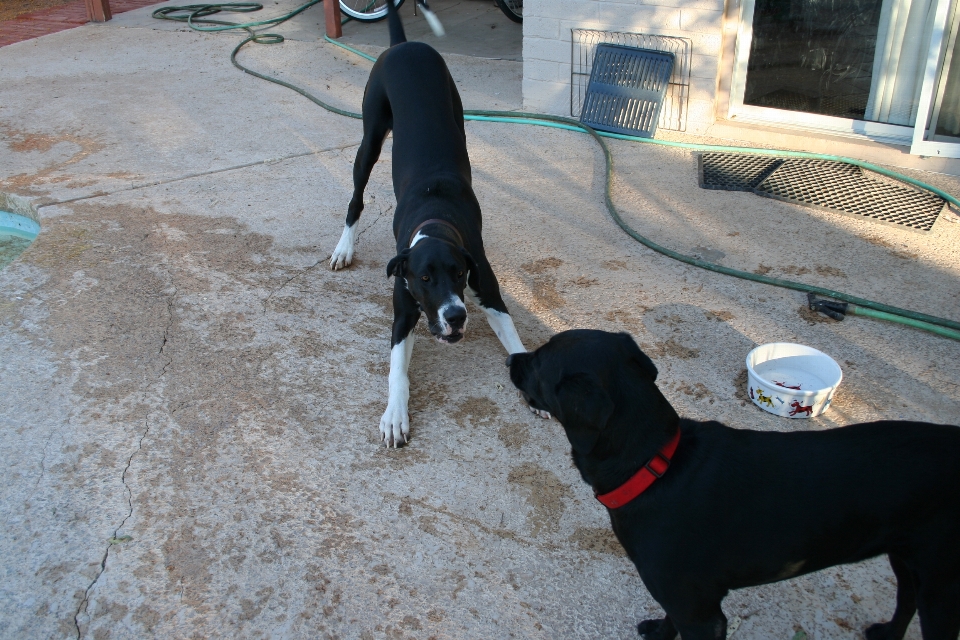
{"type": "Point", "coordinates": [432, 20]}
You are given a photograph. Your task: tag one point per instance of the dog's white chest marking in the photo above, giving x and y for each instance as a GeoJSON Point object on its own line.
{"type": "Point", "coordinates": [417, 238]}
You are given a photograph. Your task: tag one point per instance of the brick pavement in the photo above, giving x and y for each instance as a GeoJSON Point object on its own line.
{"type": "Point", "coordinates": [47, 21]}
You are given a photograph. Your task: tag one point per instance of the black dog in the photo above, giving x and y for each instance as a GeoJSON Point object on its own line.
{"type": "Point", "coordinates": [737, 508]}
{"type": "Point", "coordinates": [437, 222]}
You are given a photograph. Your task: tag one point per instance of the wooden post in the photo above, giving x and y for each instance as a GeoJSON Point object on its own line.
{"type": "Point", "coordinates": [331, 11]}
{"type": "Point", "coordinates": [98, 10]}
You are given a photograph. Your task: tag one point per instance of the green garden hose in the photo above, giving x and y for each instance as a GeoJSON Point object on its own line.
{"type": "Point", "coordinates": [196, 14]}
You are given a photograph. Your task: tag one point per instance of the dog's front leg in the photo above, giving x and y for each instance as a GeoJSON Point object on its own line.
{"type": "Point", "coordinates": [502, 325]}
{"type": "Point", "coordinates": [395, 423]}
{"type": "Point", "coordinates": [343, 255]}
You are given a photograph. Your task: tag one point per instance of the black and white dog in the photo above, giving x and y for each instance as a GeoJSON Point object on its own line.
{"type": "Point", "coordinates": [437, 223]}
{"type": "Point", "coordinates": [702, 508]}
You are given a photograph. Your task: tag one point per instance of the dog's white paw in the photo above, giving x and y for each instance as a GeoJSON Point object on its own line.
{"type": "Point", "coordinates": [343, 254]}
{"type": "Point", "coordinates": [395, 425]}
{"type": "Point", "coordinates": [540, 413]}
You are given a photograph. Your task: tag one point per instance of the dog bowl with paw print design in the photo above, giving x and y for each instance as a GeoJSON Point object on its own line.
{"type": "Point", "coordinates": [791, 380]}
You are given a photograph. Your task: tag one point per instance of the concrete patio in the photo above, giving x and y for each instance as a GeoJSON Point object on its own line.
{"type": "Point", "coordinates": [188, 430]}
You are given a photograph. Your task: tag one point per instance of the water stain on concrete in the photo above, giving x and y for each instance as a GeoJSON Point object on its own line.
{"type": "Point", "coordinates": [740, 387]}
{"type": "Point", "coordinates": [600, 539]}
{"type": "Point", "coordinates": [614, 265]}
{"type": "Point", "coordinates": [697, 390]}
{"type": "Point", "coordinates": [187, 561]}
{"type": "Point", "coordinates": [513, 435]}
{"type": "Point", "coordinates": [475, 410]}
{"type": "Point", "coordinates": [544, 285]}
{"type": "Point", "coordinates": [893, 249]}
{"type": "Point", "coordinates": [541, 265]}
{"type": "Point", "coordinates": [671, 348]}
{"type": "Point", "coordinates": [719, 316]}
{"type": "Point", "coordinates": [827, 270]}
{"type": "Point", "coordinates": [20, 141]}
{"type": "Point", "coordinates": [148, 316]}
{"type": "Point", "coordinates": [624, 321]}
{"type": "Point", "coordinates": [545, 494]}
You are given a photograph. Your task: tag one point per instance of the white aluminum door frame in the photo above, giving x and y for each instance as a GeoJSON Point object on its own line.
{"type": "Point", "coordinates": [938, 60]}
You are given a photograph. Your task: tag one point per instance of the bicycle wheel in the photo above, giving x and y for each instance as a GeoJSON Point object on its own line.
{"type": "Point", "coordinates": [513, 9]}
{"type": "Point", "coordinates": [366, 10]}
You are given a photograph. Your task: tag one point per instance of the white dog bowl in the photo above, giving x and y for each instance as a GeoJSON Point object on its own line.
{"type": "Point", "coordinates": [791, 380]}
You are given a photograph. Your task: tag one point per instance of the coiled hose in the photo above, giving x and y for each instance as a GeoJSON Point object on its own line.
{"type": "Point", "coordinates": [195, 15]}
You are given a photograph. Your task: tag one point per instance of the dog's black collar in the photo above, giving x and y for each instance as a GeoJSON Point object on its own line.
{"type": "Point", "coordinates": [436, 221]}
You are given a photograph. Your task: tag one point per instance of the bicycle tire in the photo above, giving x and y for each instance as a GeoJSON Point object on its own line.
{"type": "Point", "coordinates": [513, 9]}
{"type": "Point", "coordinates": [366, 10]}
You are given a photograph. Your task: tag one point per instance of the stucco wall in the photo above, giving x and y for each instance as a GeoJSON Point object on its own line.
{"type": "Point", "coordinates": [546, 45]}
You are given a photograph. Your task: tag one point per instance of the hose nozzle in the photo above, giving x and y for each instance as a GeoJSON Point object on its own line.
{"type": "Point", "coordinates": [831, 308]}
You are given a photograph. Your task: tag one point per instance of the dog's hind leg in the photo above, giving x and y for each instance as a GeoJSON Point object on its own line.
{"type": "Point", "coordinates": [367, 155]}
{"type": "Point", "coordinates": [906, 605]}
{"type": "Point", "coordinates": [938, 602]}
{"type": "Point", "coordinates": [712, 628]}
{"type": "Point", "coordinates": [657, 629]}
{"type": "Point", "coordinates": [695, 616]}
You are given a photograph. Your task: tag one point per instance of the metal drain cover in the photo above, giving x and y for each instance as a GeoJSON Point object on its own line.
{"type": "Point", "coordinates": [821, 184]}
{"type": "Point", "coordinates": [735, 172]}
{"type": "Point", "coordinates": [626, 90]}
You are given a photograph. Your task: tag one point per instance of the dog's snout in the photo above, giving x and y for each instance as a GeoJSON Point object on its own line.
{"type": "Point", "coordinates": [510, 359]}
{"type": "Point", "coordinates": [456, 317]}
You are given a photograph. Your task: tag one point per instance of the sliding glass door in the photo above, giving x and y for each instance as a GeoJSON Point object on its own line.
{"type": "Point", "coordinates": [937, 131]}
{"type": "Point", "coordinates": [868, 67]}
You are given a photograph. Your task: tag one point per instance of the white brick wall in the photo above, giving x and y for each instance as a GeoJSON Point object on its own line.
{"type": "Point", "coordinates": [546, 45]}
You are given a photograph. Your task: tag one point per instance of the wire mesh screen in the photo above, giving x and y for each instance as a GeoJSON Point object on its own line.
{"type": "Point", "coordinates": [673, 115]}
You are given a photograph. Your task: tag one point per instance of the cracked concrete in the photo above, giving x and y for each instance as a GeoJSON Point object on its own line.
{"type": "Point", "coordinates": [189, 438]}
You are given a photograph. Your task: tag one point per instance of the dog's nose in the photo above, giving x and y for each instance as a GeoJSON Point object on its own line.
{"type": "Point", "coordinates": [456, 318]}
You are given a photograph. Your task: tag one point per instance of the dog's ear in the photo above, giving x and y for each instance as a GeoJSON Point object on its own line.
{"type": "Point", "coordinates": [398, 264]}
{"type": "Point", "coordinates": [638, 357]}
{"type": "Point", "coordinates": [471, 265]}
{"type": "Point", "coordinates": [585, 409]}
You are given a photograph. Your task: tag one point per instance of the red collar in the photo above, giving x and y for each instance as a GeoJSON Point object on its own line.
{"type": "Point", "coordinates": [641, 480]}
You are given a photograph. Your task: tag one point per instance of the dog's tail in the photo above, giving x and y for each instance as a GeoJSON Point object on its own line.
{"type": "Point", "coordinates": [397, 34]}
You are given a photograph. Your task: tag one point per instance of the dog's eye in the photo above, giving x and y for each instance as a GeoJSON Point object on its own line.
{"type": "Point", "coordinates": [425, 278]}
{"type": "Point", "coordinates": [460, 275]}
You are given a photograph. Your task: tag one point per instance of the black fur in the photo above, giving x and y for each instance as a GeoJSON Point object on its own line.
{"type": "Point", "coordinates": [410, 92]}
{"type": "Point", "coordinates": [739, 508]}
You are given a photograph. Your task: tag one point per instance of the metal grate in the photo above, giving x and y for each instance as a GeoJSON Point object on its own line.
{"type": "Point", "coordinates": [821, 184]}
{"type": "Point", "coordinates": [626, 90]}
{"type": "Point", "coordinates": [734, 172]}
{"type": "Point", "coordinates": [584, 42]}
